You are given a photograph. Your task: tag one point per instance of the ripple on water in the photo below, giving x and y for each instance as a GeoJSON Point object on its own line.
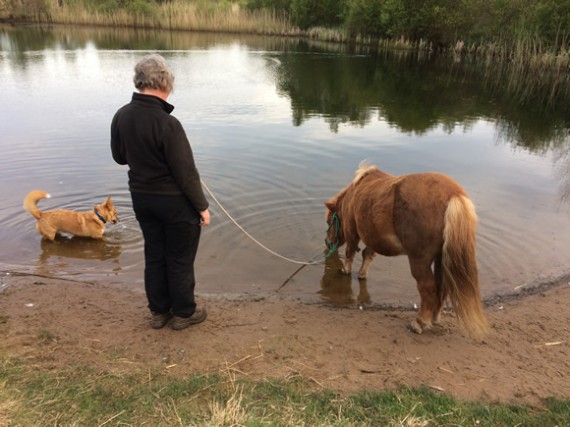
{"type": "Point", "coordinates": [270, 159]}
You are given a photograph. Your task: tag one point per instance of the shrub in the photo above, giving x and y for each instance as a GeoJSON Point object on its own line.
{"type": "Point", "coordinates": [323, 13]}
{"type": "Point", "coordinates": [364, 17]}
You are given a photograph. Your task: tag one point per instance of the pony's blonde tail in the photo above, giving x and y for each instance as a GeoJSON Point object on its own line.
{"type": "Point", "coordinates": [31, 202]}
{"type": "Point", "coordinates": [459, 265]}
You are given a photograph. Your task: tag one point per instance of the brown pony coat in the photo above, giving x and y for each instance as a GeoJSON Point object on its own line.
{"type": "Point", "coordinates": [83, 224]}
{"type": "Point", "coordinates": [429, 218]}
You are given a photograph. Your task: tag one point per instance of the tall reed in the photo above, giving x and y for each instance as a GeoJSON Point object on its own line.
{"type": "Point", "coordinates": [179, 15]}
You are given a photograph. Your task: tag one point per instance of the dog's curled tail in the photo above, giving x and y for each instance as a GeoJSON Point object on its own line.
{"type": "Point", "coordinates": [31, 202]}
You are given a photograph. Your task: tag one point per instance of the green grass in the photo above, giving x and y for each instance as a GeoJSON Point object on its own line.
{"type": "Point", "coordinates": [84, 396]}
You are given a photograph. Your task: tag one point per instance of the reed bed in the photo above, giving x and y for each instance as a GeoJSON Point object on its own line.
{"type": "Point", "coordinates": [179, 15]}
{"type": "Point", "coordinates": [524, 52]}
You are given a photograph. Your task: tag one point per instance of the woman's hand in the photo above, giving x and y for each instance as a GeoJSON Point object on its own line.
{"type": "Point", "coordinates": [205, 215]}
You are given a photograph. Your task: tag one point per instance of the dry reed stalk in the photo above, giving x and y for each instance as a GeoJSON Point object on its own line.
{"type": "Point", "coordinates": [411, 421]}
{"type": "Point", "coordinates": [233, 411]}
{"type": "Point", "coordinates": [171, 405]}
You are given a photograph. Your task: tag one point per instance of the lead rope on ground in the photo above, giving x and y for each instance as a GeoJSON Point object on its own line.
{"type": "Point", "coordinates": [253, 238]}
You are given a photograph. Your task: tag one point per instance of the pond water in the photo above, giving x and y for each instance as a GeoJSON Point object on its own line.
{"type": "Point", "coordinates": [277, 127]}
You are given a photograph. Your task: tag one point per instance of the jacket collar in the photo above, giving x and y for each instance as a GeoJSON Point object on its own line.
{"type": "Point", "coordinates": [152, 100]}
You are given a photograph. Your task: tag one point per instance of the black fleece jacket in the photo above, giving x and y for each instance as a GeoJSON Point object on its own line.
{"type": "Point", "coordinates": [153, 144]}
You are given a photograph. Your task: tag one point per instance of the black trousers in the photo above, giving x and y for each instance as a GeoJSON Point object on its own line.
{"type": "Point", "coordinates": [171, 231]}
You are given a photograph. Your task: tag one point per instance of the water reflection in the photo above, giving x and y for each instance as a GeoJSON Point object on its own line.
{"type": "Point", "coordinates": [336, 288]}
{"type": "Point", "coordinates": [351, 85]}
{"type": "Point", "coordinates": [417, 96]}
{"type": "Point", "coordinates": [64, 251]}
{"type": "Point", "coordinates": [278, 125]}
{"type": "Point", "coordinates": [78, 248]}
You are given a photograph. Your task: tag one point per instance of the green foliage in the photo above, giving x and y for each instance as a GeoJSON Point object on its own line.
{"type": "Point", "coordinates": [442, 22]}
{"type": "Point", "coordinates": [319, 13]}
{"type": "Point", "coordinates": [364, 17]}
{"type": "Point", "coordinates": [551, 19]}
{"type": "Point", "coordinates": [508, 16]}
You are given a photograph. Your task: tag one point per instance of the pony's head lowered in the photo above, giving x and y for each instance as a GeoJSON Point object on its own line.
{"type": "Point", "coordinates": [335, 234]}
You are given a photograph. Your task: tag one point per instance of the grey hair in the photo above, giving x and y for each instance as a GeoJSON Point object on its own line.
{"type": "Point", "coordinates": [151, 72]}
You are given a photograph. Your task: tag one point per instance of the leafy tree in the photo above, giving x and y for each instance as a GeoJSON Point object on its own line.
{"type": "Point", "coordinates": [440, 21]}
{"type": "Point", "coordinates": [317, 13]}
{"type": "Point", "coordinates": [364, 17]}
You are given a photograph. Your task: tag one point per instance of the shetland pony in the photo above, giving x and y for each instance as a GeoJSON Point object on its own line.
{"type": "Point", "coordinates": [429, 218]}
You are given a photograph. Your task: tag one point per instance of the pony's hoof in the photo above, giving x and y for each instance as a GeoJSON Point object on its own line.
{"type": "Point", "coordinates": [343, 271]}
{"type": "Point", "coordinates": [415, 327]}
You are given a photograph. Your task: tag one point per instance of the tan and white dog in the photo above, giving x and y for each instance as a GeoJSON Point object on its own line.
{"type": "Point", "coordinates": [83, 224]}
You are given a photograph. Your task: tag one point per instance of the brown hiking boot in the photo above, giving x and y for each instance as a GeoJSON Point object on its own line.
{"type": "Point", "coordinates": [159, 320]}
{"type": "Point", "coordinates": [183, 322]}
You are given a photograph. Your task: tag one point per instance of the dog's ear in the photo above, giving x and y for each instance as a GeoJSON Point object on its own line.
{"type": "Point", "coordinates": [108, 201]}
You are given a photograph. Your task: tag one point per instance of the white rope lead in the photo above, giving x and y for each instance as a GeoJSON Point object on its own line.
{"type": "Point", "coordinates": [250, 236]}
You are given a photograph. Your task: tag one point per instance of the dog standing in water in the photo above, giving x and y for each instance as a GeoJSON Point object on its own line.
{"type": "Point", "coordinates": [82, 224]}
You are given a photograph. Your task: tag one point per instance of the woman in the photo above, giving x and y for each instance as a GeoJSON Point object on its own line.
{"type": "Point", "coordinates": [167, 196]}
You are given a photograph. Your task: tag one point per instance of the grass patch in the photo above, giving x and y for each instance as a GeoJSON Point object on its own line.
{"type": "Point", "coordinates": [84, 396]}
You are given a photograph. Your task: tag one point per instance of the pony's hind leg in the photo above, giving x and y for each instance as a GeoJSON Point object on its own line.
{"type": "Point", "coordinates": [441, 293]}
{"type": "Point", "coordinates": [421, 270]}
{"type": "Point", "coordinates": [367, 257]}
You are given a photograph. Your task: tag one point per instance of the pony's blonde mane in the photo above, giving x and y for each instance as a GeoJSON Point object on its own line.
{"type": "Point", "coordinates": [363, 170]}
